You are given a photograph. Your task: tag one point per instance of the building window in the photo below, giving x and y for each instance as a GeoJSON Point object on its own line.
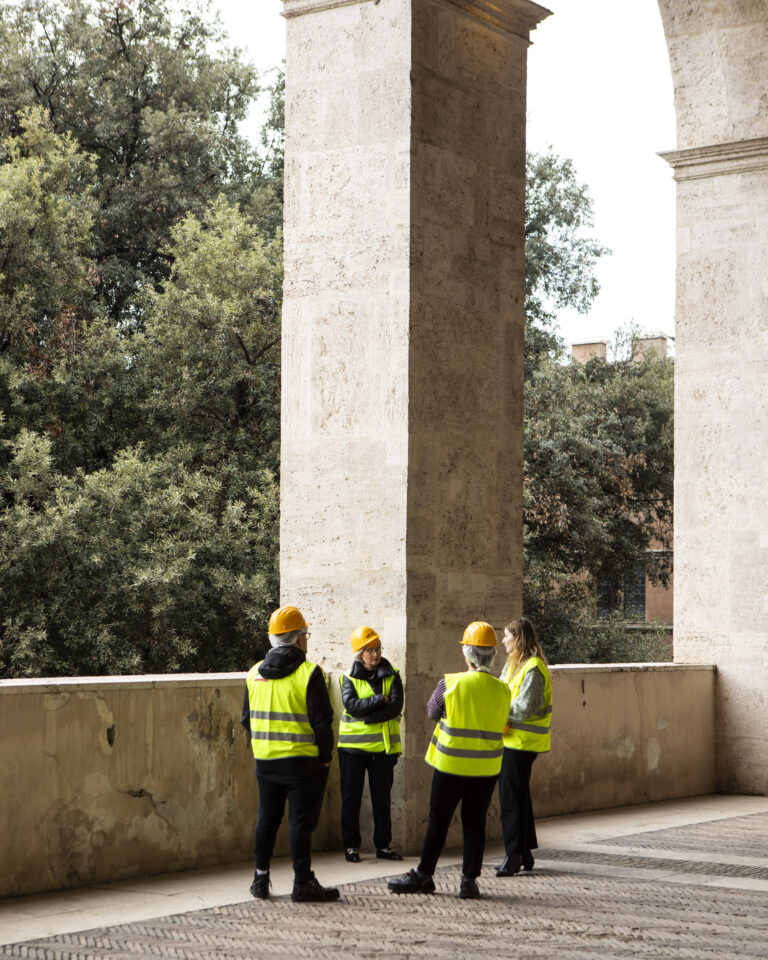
{"type": "Point", "coordinates": [627, 598]}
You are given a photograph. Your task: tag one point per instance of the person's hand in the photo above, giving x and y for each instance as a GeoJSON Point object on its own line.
{"type": "Point", "coordinates": [327, 764]}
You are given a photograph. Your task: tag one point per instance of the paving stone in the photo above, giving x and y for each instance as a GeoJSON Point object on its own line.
{"type": "Point", "coordinates": [576, 914]}
{"type": "Point", "coordinates": [737, 836]}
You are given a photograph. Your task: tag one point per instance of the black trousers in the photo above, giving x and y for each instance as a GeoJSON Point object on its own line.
{"type": "Point", "coordinates": [517, 824]}
{"type": "Point", "coordinates": [474, 794]}
{"type": "Point", "coordinates": [380, 768]}
{"type": "Point", "coordinates": [305, 800]}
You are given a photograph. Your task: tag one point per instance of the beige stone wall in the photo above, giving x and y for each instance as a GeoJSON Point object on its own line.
{"type": "Point", "coordinates": [624, 734]}
{"type": "Point", "coordinates": [402, 331]}
{"type": "Point", "coordinates": [126, 776]}
{"type": "Point", "coordinates": [121, 777]}
{"type": "Point", "coordinates": [719, 56]}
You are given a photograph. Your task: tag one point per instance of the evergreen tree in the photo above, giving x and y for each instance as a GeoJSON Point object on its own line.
{"type": "Point", "coordinates": [155, 99]}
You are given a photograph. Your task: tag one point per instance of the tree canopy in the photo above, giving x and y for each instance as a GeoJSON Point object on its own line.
{"type": "Point", "coordinates": [154, 99]}
{"type": "Point", "coordinates": [598, 494]}
{"type": "Point", "coordinates": [560, 256]}
{"type": "Point", "coordinates": [138, 462]}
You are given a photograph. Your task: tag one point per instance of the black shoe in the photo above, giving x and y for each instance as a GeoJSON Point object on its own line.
{"type": "Point", "coordinates": [527, 860]}
{"type": "Point", "coordinates": [469, 889]}
{"type": "Point", "coordinates": [351, 855]}
{"type": "Point", "coordinates": [412, 882]}
{"type": "Point", "coordinates": [387, 853]}
{"type": "Point", "coordinates": [511, 865]}
{"type": "Point", "coordinates": [260, 886]}
{"type": "Point", "coordinates": [312, 892]}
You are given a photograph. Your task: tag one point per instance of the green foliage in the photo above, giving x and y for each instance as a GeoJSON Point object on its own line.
{"type": "Point", "coordinates": [46, 216]}
{"type": "Point", "coordinates": [141, 567]}
{"type": "Point", "coordinates": [63, 369]}
{"type": "Point", "coordinates": [154, 98]}
{"type": "Point", "coordinates": [138, 498]}
{"type": "Point", "coordinates": [211, 347]}
{"type": "Point", "coordinates": [559, 259]}
{"type": "Point", "coordinates": [598, 491]}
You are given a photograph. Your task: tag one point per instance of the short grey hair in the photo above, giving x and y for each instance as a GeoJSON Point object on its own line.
{"type": "Point", "coordinates": [479, 656]}
{"type": "Point", "coordinates": [285, 639]}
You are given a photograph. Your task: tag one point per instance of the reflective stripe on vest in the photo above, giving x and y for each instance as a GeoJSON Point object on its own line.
{"type": "Point", "coordinates": [468, 741]}
{"type": "Point", "coordinates": [534, 732]}
{"type": "Point", "coordinates": [355, 734]}
{"type": "Point", "coordinates": [280, 724]}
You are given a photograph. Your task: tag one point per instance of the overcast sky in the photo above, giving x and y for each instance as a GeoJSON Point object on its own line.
{"type": "Point", "coordinates": [599, 92]}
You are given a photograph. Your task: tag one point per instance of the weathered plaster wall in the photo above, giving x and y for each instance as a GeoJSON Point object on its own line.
{"type": "Point", "coordinates": [125, 776]}
{"type": "Point", "coordinates": [119, 777]}
{"type": "Point", "coordinates": [624, 734]}
{"type": "Point", "coordinates": [719, 56]}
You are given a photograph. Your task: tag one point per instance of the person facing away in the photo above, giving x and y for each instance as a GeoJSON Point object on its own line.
{"type": "Point", "coordinates": [527, 735]}
{"type": "Point", "coordinates": [472, 709]}
{"type": "Point", "coordinates": [288, 713]}
{"type": "Point", "coordinates": [369, 742]}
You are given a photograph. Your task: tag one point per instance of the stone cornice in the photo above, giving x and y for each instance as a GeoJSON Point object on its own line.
{"type": "Point", "coordinates": [296, 8]}
{"type": "Point", "coordinates": [509, 16]}
{"type": "Point", "coordinates": [719, 159]}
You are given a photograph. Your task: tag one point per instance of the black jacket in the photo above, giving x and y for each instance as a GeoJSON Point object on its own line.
{"type": "Point", "coordinates": [373, 709]}
{"type": "Point", "coordinates": [282, 662]}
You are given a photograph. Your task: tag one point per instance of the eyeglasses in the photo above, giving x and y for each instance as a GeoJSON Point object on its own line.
{"type": "Point", "coordinates": [307, 635]}
{"type": "Point", "coordinates": [372, 650]}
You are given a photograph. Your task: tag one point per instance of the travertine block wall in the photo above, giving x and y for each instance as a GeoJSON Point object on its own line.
{"type": "Point", "coordinates": [403, 332]}
{"type": "Point", "coordinates": [120, 777]}
{"type": "Point", "coordinates": [719, 56]}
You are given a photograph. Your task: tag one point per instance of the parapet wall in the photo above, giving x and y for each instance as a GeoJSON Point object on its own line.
{"type": "Point", "coordinates": [117, 777]}
{"type": "Point", "coordinates": [114, 777]}
{"type": "Point", "coordinates": [627, 733]}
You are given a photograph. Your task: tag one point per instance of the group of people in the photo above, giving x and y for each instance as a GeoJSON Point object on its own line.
{"type": "Point", "coordinates": [488, 731]}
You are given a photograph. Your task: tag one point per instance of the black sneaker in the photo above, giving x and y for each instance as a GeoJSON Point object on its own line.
{"type": "Point", "coordinates": [310, 891]}
{"type": "Point", "coordinates": [412, 882]}
{"type": "Point", "coordinates": [351, 855]}
{"type": "Point", "coordinates": [469, 889]}
{"type": "Point", "coordinates": [260, 886]}
{"type": "Point", "coordinates": [387, 853]}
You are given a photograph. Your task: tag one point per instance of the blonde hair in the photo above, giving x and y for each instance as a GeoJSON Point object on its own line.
{"type": "Point", "coordinates": [525, 645]}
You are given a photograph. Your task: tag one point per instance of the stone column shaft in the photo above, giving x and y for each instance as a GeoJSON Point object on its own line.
{"type": "Point", "coordinates": [719, 56]}
{"type": "Point", "coordinates": [403, 334]}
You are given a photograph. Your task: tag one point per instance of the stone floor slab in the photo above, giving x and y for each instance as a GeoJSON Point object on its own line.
{"type": "Point", "coordinates": [612, 897]}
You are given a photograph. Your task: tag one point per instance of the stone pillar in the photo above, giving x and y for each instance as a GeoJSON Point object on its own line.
{"type": "Point", "coordinates": [719, 56]}
{"type": "Point", "coordinates": [403, 335]}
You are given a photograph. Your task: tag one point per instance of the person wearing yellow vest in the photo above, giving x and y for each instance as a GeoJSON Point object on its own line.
{"type": "Point", "coordinates": [466, 748]}
{"type": "Point", "coordinates": [527, 735]}
{"type": "Point", "coordinates": [288, 714]}
{"type": "Point", "coordinates": [369, 741]}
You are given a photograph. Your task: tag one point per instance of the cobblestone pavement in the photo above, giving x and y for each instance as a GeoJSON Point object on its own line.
{"type": "Point", "coordinates": [577, 903]}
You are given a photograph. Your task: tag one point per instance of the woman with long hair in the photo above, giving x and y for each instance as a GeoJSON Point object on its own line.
{"type": "Point", "coordinates": [526, 736]}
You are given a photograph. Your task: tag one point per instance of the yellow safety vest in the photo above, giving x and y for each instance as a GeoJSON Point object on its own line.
{"type": "Point", "coordinates": [532, 733]}
{"type": "Point", "coordinates": [381, 737]}
{"type": "Point", "coordinates": [468, 742]}
{"type": "Point", "coordinates": [280, 724]}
